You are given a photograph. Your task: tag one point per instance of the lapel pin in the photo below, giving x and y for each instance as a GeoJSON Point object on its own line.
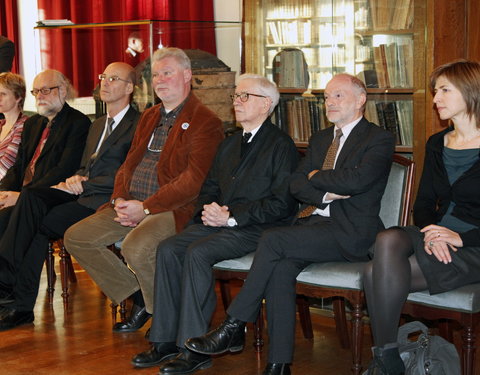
{"type": "Point", "coordinates": [185, 125]}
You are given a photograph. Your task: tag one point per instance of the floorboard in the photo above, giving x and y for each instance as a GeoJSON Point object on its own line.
{"type": "Point", "coordinates": [79, 341]}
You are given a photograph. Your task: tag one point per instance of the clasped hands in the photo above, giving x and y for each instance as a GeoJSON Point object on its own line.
{"type": "Point", "coordinates": [439, 241]}
{"type": "Point", "coordinates": [129, 212]}
{"type": "Point", "coordinates": [214, 215]}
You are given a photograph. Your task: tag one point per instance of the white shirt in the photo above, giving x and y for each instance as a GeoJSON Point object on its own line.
{"type": "Point", "coordinates": [252, 132]}
{"type": "Point", "coordinates": [116, 120]}
{"type": "Point", "coordinates": [346, 130]}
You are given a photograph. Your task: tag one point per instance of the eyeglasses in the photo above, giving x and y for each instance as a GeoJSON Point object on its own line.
{"type": "Point", "coordinates": [244, 96]}
{"type": "Point", "coordinates": [44, 91]}
{"type": "Point", "coordinates": [103, 77]}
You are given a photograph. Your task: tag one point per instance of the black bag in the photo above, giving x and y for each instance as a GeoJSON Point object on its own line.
{"type": "Point", "coordinates": [429, 354]}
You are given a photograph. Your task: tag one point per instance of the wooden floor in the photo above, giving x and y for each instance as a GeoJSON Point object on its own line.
{"type": "Point", "coordinates": [80, 341]}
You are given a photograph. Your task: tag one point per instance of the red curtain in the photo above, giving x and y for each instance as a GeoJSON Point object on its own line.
{"type": "Point", "coordinates": [81, 54]}
{"type": "Point", "coordinates": [9, 26]}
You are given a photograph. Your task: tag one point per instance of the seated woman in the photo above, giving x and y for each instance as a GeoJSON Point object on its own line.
{"type": "Point", "coordinates": [442, 252]}
{"type": "Point", "coordinates": [12, 97]}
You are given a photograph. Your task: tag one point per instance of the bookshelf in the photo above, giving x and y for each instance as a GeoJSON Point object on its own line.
{"type": "Point", "coordinates": [376, 40]}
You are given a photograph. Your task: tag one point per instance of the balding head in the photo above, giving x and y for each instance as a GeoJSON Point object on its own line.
{"type": "Point", "coordinates": [117, 86]}
{"type": "Point", "coordinates": [56, 89]}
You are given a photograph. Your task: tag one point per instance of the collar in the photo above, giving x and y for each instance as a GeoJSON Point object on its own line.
{"type": "Point", "coordinates": [253, 132]}
{"type": "Point", "coordinates": [119, 116]}
{"type": "Point", "coordinates": [347, 129]}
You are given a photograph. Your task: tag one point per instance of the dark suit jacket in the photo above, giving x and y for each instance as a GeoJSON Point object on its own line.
{"type": "Point", "coordinates": [7, 53]}
{"type": "Point", "coordinates": [184, 161]}
{"type": "Point", "coordinates": [112, 153]}
{"type": "Point", "coordinates": [61, 155]}
{"type": "Point", "coordinates": [361, 171]}
{"type": "Point", "coordinates": [435, 192]}
{"type": "Point", "coordinates": [255, 187]}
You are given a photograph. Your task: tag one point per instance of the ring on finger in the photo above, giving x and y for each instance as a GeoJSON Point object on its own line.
{"type": "Point", "coordinates": [430, 244]}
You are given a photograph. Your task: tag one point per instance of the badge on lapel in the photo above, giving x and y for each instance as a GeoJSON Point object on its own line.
{"type": "Point", "coordinates": [185, 125]}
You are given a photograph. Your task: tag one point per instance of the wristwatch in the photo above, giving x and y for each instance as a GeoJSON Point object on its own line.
{"type": "Point", "coordinates": [146, 211]}
{"type": "Point", "coordinates": [231, 222]}
{"type": "Point", "coordinates": [113, 202]}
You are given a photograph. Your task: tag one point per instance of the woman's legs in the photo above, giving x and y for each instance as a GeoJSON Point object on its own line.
{"type": "Point", "coordinates": [393, 273]}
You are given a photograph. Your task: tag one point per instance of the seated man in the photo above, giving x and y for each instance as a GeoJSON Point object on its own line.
{"type": "Point", "coordinates": [341, 182]}
{"type": "Point", "coordinates": [246, 191]}
{"type": "Point", "coordinates": [43, 213]}
{"type": "Point", "coordinates": [155, 189]}
{"type": "Point", "coordinates": [52, 142]}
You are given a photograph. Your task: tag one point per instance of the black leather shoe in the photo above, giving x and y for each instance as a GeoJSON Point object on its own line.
{"type": "Point", "coordinates": [186, 363]}
{"type": "Point", "coordinates": [229, 336]}
{"type": "Point", "coordinates": [6, 297]}
{"type": "Point", "coordinates": [158, 352]}
{"type": "Point", "coordinates": [277, 369]}
{"type": "Point", "coordinates": [11, 318]}
{"type": "Point", "coordinates": [138, 317]}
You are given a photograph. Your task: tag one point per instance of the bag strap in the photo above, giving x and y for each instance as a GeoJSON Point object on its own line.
{"type": "Point", "coordinates": [409, 328]}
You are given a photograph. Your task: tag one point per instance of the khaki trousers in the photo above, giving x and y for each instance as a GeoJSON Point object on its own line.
{"type": "Point", "coordinates": [88, 239]}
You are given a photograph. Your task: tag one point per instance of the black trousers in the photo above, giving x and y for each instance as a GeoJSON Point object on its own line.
{"type": "Point", "coordinates": [184, 296]}
{"type": "Point", "coordinates": [39, 215]}
{"type": "Point", "coordinates": [281, 255]}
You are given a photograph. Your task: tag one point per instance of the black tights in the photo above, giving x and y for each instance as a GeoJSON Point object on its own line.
{"type": "Point", "coordinates": [393, 273]}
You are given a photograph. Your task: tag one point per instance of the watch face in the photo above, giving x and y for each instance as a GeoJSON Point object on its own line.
{"type": "Point", "coordinates": [231, 222]}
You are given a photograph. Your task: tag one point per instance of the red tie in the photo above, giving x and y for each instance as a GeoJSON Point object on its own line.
{"type": "Point", "coordinates": [31, 166]}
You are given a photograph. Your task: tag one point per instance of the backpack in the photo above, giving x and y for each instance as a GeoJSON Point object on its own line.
{"type": "Point", "coordinates": [429, 354]}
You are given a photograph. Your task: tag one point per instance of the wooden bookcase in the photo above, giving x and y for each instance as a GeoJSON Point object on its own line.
{"type": "Point", "coordinates": [435, 31]}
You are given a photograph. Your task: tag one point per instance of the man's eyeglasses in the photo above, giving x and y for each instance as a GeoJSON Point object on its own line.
{"type": "Point", "coordinates": [44, 91]}
{"type": "Point", "coordinates": [103, 77]}
{"type": "Point", "coordinates": [244, 96]}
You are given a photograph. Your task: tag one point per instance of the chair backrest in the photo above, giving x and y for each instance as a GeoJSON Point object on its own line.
{"type": "Point", "coordinates": [397, 199]}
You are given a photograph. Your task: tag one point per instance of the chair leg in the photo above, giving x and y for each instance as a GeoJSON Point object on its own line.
{"type": "Point", "coordinates": [123, 310]}
{"type": "Point", "coordinates": [114, 306]}
{"type": "Point", "coordinates": [341, 321]}
{"type": "Point", "coordinates": [304, 316]}
{"type": "Point", "coordinates": [225, 293]}
{"type": "Point", "coordinates": [357, 337]}
{"type": "Point", "coordinates": [468, 350]}
{"type": "Point", "coordinates": [65, 260]}
{"type": "Point", "coordinates": [51, 276]}
{"type": "Point", "coordinates": [258, 332]}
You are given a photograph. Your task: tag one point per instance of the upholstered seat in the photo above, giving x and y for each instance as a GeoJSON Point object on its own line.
{"type": "Point", "coordinates": [466, 299]}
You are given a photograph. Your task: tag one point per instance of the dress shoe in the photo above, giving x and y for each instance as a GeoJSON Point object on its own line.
{"type": "Point", "coordinates": [186, 362]}
{"type": "Point", "coordinates": [277, 369]}
{"type": "Point", "coordinates": [158, 352]}
{"type": "Point", "coordinates": [138, 317]}
{"type": "Point", "coordinates": [229, 336]}
{"type": "Point", "coordinates": [11, 318]}
{"type": "Point", "coordinates": [6, 297]}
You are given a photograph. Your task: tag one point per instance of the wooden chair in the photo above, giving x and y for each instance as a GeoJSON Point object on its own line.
{"type": "Point", "coordinates": [344, 280]}
{"type": "Point", "coordinates": [461, 305]}
{"type": "Point", "coordinates": [338, 280]}
{"type": "Point", "coordinates": [67, 275]}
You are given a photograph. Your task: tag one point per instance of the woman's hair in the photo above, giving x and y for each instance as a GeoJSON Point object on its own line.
{"type": "Point", "coordinates": [264, 86]}
{"type": "Point", "coordinates": [465, 76]}
{"type": "Point", "coordinates": [16, 84]}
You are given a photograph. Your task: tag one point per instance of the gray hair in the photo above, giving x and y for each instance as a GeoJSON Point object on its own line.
{"type": "Point", "coordinates": [178, 54]}
{"type": "Point", "coordinates": [264, 86]}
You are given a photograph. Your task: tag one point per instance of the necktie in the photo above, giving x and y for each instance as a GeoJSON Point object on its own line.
{"type": "Point", "coordinates": [328, 163]}
{"type": "Point", "coordinates": [110, 122]}
{"type": "Point", "coordinates": [31, 166]}
{"type": "Point", "coordinates": [245, 145]}
{"type": "Point", "coordinates": [246, 137]}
